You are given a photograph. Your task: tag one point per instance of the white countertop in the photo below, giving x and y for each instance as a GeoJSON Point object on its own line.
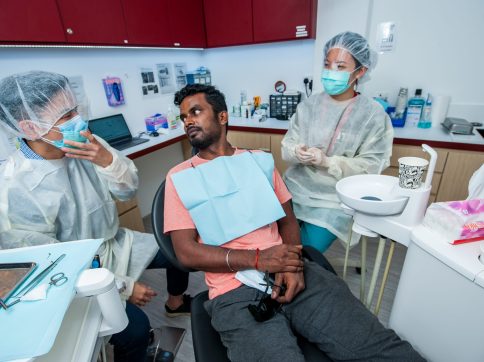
{"type": "Point", "coordinates": [437, 133]}
{"type": "Point", "coordinates": [463, 257]}
{"type": "Point", "coordinates": [269, 123]}
{"type": "Point", "coordinates": [165, 136]}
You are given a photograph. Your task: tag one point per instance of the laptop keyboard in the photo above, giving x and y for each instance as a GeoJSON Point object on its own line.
{"type": "Point", "coordinates": [131, 143]}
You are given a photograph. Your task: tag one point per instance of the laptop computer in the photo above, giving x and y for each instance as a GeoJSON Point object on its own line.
{"type": "Point", "coordinates": [115, 131]}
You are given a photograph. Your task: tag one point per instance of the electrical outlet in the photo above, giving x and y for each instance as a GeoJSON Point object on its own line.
{"type": "Point", "coordinates": [308, 84]}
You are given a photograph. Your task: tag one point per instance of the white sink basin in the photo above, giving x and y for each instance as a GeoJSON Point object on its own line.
{"type": "Point", "coordinates": [371, 194]}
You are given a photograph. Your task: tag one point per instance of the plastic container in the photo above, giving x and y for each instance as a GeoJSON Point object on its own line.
{"type": "Point", "coordinates": [396, 122]}
{"type": "Point", "coordinates": [415, 108]}
{"type": "Point", "coordinates": [155, 122]}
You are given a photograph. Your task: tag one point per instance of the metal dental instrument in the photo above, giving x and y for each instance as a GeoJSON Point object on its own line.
{"type": "Point", "coordinates": [34, 282]}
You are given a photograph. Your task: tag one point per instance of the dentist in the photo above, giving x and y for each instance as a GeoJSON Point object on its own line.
{"type": "Point", "coordinates": [61, 185]}
{"type": "Point", "coordinates": [332, 135]}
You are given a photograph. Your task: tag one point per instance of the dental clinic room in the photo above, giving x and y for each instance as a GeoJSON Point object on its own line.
{"type": "Point", "coordinates": [241, 180]}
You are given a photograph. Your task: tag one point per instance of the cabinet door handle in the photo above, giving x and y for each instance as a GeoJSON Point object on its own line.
{"type": "Point", "coordinates": [70, 31]}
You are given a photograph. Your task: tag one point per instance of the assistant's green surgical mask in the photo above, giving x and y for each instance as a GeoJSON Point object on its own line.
{"type": "Point", "coordinates": [336, 81]}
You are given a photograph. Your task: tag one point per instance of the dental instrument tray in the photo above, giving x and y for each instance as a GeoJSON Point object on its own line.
{"type": "Point", "coordinates": [458, 125]}
{"type": "Point", "coordinates": [12, 276]}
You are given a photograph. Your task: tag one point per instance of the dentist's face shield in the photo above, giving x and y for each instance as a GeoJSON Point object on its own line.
{"type": "Point", "coordinates": [355, 45]}
{"type": "Point", "coordinates": [32, 103]}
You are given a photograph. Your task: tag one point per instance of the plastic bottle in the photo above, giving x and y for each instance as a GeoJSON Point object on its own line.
{"type": "Point", "coordinates": [237, 111]}
{"type": "Point", "coordinates": [401, 103]}
{"type": "Point", "coordinates": [171, 117]}
{"type": "Point", "coordinates": [243, 96]}
{"type": "Point", "coordinates": [415, 108]}
{"type": "Point", "coordinates": [425, 120]}
{"type": "Point", "coordinates": [245, 109]}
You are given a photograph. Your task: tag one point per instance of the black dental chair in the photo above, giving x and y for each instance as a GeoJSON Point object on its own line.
{"type": "Point", "coordinates": [207, 344]}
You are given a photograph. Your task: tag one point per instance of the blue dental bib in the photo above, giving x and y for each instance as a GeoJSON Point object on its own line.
{"type": "Point", "coordinates": [230, 196]}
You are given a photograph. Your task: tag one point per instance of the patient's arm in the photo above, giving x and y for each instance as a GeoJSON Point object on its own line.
{"type": "Point", "coordinates": [293, 282]}
{"type": "Point", "coordinates": [288, 226]}
{"type": "Point", "coordinates": [279, 258]}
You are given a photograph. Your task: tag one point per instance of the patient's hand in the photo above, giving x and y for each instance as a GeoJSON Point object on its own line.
{"type": "Point", "coordinates": [281, 258]}
{"type": "Point", "coordinates": [142, 294]}
{"type": "Point", "coordinates": [294, 283]}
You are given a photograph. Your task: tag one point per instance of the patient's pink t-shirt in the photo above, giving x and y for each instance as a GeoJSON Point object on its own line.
{"type": "Point", "coordinates": [177, 217]}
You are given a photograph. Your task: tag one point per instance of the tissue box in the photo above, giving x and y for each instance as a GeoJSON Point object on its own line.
{"type": "Point", "coordinates": [156, 121]}
{"type": "Point", "coordinates": [457, 221]}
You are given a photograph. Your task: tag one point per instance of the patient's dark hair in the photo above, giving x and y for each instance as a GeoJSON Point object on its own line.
{"type": "Point", "coordinates": [212, 95]}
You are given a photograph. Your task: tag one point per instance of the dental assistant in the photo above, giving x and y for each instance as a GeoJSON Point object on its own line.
{"type": "Point", "coordinates": [335, 134]}
{"type": "Point", "coordinates": [61, 185]}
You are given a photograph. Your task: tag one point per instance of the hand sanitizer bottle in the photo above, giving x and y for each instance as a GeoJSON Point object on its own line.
{"type": "Point", "coordinates": [425, 121]}
{"type": "Point", "coordinates": [414, 109]}
{"type": "Point", "coordinates": [171, 117]}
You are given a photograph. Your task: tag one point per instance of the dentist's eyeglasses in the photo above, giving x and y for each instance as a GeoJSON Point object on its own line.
{"type": "Point", "coordinates": [267, 307]}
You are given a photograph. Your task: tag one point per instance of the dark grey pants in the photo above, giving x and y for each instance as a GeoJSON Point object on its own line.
{"type": "Point", "coordinates": [325, 313]}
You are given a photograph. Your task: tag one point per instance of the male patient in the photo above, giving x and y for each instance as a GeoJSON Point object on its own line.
{"type": "Point", "coordinates": [59, 186]}
{"type": "Point", "coordinates": [212, 212]}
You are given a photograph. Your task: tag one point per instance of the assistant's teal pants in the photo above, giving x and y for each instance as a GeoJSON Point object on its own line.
{"type": "Point", "coordinates": [316, 236]}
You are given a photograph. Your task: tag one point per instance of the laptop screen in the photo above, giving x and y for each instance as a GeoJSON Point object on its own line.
{"type": "Point", "coordinates": [112, 128]}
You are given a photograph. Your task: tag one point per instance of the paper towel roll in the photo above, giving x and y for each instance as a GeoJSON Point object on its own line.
{"type": "Point", "coordinates": [440, 106]}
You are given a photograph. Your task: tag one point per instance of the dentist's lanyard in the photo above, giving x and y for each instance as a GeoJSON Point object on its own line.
{"type": "Point", "coordinates": [343, 119]}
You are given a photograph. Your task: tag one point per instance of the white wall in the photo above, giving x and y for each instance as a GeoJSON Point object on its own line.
{"type": "Point", "coordinates": [438, 48]}
{"type": "Point", "coordinates": [96, 64]}
{"type": "Point", "coordinates": [255, 68]}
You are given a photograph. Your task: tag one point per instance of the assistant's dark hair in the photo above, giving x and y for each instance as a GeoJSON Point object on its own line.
{"type": "Point", "coordinates": [212, 95]}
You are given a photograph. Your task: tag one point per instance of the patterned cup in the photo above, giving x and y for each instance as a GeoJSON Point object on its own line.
{"type": "Point", "coordinates": [410, 172]}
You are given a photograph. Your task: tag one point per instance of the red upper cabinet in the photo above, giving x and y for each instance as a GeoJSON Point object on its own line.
{"type": "Point", "coordinates": [166, 23]}
{"type": "Point", "coordinates": [187, 23]}
{"type": "Point", "coordinates": [228, 22]}
{"type": "Point", "coordinates": [30, 21]}
{"type": "Point", "coordinates": [147, 22]}
{"type": "Point", "coordinates": [93, 21]}
{"type": "Point", "coordinates": [276, 20]}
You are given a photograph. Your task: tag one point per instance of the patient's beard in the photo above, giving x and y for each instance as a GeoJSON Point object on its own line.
{"type": "Point", "coordinates": [205, 141]}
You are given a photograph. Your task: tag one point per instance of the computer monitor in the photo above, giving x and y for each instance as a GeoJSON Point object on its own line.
{"type": "Point", "coordinates": [112, 129]}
